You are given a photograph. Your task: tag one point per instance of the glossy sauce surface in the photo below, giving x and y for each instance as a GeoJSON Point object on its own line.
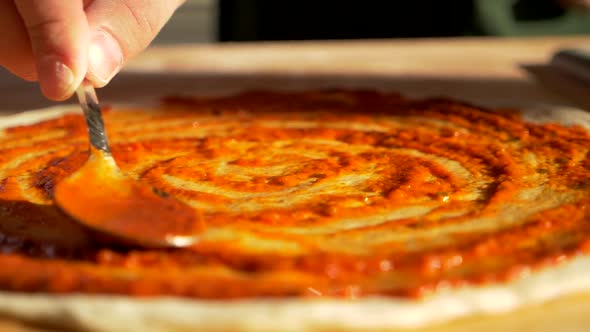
{"type": "Point", "coordinates": [99, 196]}
{"type": "Point", "coordinates": [334, 193]}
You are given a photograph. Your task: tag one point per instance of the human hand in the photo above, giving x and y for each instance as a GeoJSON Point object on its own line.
{"type": "Point", "coordinates": [61, 42]}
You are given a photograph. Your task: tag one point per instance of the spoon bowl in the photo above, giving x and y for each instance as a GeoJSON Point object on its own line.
{"type": "Point", "coordinates": [100, 197]}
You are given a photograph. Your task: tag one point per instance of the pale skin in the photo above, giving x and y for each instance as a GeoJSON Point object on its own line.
{"type": "Point", "coordinates": [59, 43]}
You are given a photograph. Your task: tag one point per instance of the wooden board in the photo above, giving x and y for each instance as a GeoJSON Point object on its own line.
{"type": "Point", "coordinates": [488, 71]}
{"type": "Point", "coordinates": [494, 71]}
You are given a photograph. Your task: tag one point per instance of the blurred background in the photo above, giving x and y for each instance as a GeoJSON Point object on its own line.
{"type": "Point", "coordinates": [447, 67]}
{"type": "Point", "coordinates": [205, 21]}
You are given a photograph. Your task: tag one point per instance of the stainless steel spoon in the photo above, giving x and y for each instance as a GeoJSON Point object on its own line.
{"type": "Point", "coordinates": [102, 198]}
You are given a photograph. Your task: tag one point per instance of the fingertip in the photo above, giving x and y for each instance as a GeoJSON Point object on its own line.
{"type": "Point", "coordinates": [58, 82]}
{"type": "Point", "coordinates": [105, 58]}
{"type": "Point", "coordinates": [128, 26]}
{"type": "Point", "coordinates": [58, 33]}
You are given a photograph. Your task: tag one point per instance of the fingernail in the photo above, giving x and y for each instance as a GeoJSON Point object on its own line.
{"type": "Point", "coordinates": [56, 79]}
{"type": "Point", "coordinates": [106, 58]}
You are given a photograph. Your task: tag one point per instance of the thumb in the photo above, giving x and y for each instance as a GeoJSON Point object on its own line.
{"type": "Point", "coordinates": [58, 31]}
{"type": "Point", "coordinates": [120, 29]}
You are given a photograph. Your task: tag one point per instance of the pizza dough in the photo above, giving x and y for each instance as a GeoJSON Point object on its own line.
{"type": "Point", "coordinates": [333, 210]}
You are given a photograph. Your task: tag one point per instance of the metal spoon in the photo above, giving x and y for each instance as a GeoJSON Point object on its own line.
{"type": "Point", "coordinates": [102, 198]}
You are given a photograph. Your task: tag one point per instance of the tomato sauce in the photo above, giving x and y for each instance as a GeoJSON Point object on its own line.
{"type": "Point", "coordinates": [326, 193]}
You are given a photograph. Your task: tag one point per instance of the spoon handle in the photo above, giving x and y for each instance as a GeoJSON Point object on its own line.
{"type": "Point", "coordinates": [89, 103]}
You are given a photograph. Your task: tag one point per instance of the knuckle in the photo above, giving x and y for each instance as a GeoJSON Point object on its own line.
{"type": "Point", "coordinates": [43, 28]}
{"type": "Point", "coordinates": [145, 20]}
{"type": "Point", "coordinates": [43, 20]}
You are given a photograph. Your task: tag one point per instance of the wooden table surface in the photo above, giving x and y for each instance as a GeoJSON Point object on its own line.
{"type": "Point", "coordinates": [488, 71]}
{"type": "Point", "coordinates": [495, 72]}
{"type": "Point", "coordinates": [469, 57]}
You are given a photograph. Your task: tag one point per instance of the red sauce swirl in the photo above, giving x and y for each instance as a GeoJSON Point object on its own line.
{"type": "Point", "coordinates": [337, 193]}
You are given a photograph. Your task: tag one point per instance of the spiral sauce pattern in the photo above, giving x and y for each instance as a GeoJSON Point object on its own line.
{"type": "Point", "coordinates": [343, 193]}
